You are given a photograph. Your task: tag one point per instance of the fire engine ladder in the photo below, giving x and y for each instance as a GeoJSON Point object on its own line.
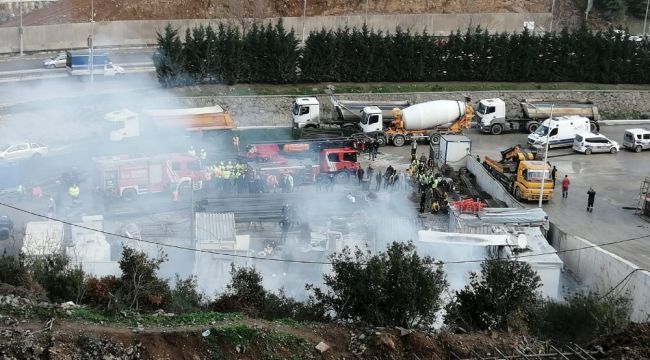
{"type": "Point", "coordinates": [644, 193]}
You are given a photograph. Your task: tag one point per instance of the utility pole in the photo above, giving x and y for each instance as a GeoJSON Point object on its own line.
{"type": "Point", "coordinates": [365, 22]}
{"type": "Point", "coordinates": [645, 20]}
{"type": "Point", "coordinates": [550, 28]}
{"type": "Point", "coordinates": [304, 14]}
{"type": "Point", "coordinates": [548, 134]}
{"type": "Point", "coordinates": [20, 29]}
{"type": "Point", "coordinates": [90, 42]}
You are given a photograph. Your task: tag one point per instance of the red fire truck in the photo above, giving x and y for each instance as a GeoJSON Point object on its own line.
{"type": "Point", "coordinates": [128, 176]}
{"type": "Point", "coordinates": [306, 160]}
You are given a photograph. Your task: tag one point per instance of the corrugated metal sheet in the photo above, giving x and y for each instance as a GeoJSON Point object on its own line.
{"type": "Point", "coordinates": [215, 227]}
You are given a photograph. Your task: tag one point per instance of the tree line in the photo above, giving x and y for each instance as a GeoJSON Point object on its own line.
{"type": "Point", "coordinates": [271, 54]}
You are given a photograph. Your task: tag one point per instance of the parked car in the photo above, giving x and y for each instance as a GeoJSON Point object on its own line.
{"type": "Point", "coordinates": [587, 143]}
{"type": "Point", "coordinates": [55, 62]}
{"type": "Point", "coordinates": [636, 139]}
{"type": "Point", "coordinates": [21, 151]}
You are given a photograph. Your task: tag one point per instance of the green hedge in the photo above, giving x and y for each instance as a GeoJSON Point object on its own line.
{"type": "Point", "coordinates": [270, 54]}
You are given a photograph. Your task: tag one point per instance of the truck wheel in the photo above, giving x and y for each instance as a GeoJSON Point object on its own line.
{"type": "Point", "coordinates": [638, 148]}
{"type": "Point", "coordinates": [496, 129]}
{"type": "Point", "coordinates": [129, 194]}
{"type": "Point", "coordinates": [518, 194]}
{"type": "Point", "coordinates": [593, 126]}
{"type": "Point", "coordinates": [310, 126]}
{"type": "Point", "coordinates": [399, 140]}
{"type": "Point", "coordinates": [349, 127]}
{"type": "Point", "coordinates": [381, 139]}
{"type": "Point", "coordinates": [587, 151]}
{"type": "Point", "coordinates": [532, 126]}
{"type": "Point", "coordinates": [435, 139]}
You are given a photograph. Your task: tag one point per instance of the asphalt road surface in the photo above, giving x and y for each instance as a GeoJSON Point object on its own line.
{"type": "Point", "coordinates": [615, 178]}
{"type": "Point", "coordinates": [35, 61]}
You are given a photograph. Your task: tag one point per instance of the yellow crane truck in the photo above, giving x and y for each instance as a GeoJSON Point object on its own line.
{"type": "Point", "coordinates": [521, 174]}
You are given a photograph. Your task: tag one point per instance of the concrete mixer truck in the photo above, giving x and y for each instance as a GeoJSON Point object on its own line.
{"type": "Point", "coordinates": [424, 121]}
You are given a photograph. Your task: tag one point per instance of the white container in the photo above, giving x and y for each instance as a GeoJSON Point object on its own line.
{"type": "Point", "coordinates": [454, 150]}
{"type": "Point", "coordinates": [430, 114]}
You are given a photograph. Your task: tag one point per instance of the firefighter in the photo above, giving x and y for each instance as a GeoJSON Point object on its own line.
{"type": "Point", "coordinates": [191, 151]}
{"type": "Point", "coordinates": [74, 191]}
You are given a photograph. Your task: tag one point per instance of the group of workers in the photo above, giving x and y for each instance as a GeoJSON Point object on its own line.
{"type": "Point", "coordinates": [239, 178]}
{"type": "Point", "coordinates": [430, 186]}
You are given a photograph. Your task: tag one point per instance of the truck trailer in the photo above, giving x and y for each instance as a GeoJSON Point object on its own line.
{"type": "Point", "coordinates": [306, 112]}
{"type": "Point", "coordinates": [424, 121]}
{"type": "Point", "coordinates": [127, 124]}
{"type": "Point", "coordinates": [491, 114]}
{"type": "Point", "coordinates": [81, 63]}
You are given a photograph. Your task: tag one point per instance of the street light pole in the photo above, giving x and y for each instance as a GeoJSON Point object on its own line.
{"type": "Point", "coordinates": [20, 29]}
{"type": "Point", "coordinates": [645, 20]}
{"type": "Point", "coordinates": [548, 134]}
{"type": "Point", "coordinates": [365, 22]}
{"type": "Point", "coordinates": [552, 8]}
{"type": "Point", "coordinates": [92, 52]}
{"type": "Point", "coordinates": [304, 14]}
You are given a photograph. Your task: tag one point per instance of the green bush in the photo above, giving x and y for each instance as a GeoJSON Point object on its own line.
{"type": "Point", "coordinates": [185, 297]}
{"type": "Point", "coordinates": [501, 297]}
{"type": "Point", "coordinates": [139, 287]}
{"type": "Point", "coordinates": [246, 294]}
{"type": "Point", "coordinates": [582, 318]}
{"type": "Point", "coordinates": [12, 271]}
{"type": "Point", "coordinates": [60, 280]}
{"type": "Point", "coordinates": [392, 288]}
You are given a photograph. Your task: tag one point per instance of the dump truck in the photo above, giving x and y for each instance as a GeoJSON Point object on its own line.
{"type": "Point", "coordinates": [424, 121]}
{"type": "Point", "coordinates": [308, 161]}
{"type": "Point", "coordinates": [491, 115]}
{"type": "Point", "coordinates": [521, 174]}
{"type": "Point", "coordinates": [128, 124]}
{"type": "Point", "coordinates": [307, 112]}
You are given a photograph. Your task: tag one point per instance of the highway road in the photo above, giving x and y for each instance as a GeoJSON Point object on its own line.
{"type": "Point", "coordinates": [35, 61]}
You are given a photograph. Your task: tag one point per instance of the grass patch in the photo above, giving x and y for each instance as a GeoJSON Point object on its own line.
{"type": "Point", "coordinates": [343, 88]}
{"type": "Point", "coordinates": [292, 322]}
{"type": "Point", "coordinates": [270, 344]}
{"type": "Point", "coordinates": [196, 318]}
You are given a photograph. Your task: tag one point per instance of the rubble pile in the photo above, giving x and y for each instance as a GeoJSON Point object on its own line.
{"type": "Point", "coordinates": [106, 349]}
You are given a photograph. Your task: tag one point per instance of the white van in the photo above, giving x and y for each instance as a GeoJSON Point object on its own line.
{"type": "Point", "coordinates": [587, 143]}
{"type": "Point", "coordinates": [563, 131]}
{"type": "Point", "coordinates": [636, 139]}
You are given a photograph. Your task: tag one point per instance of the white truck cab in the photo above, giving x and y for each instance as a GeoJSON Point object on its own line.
{"type": "Point", "coordinates": [112, 70]}
{"type": "Point", "coordinates": [559, 132]}
{"type": "Point", "coordinates": [124, 124]}
{"type": "Point", "coordinates": [491, 115]}
{"type": "Point", "coordinates": [371, 120]}
{"type": "Point", "coordinates": [306, 112]}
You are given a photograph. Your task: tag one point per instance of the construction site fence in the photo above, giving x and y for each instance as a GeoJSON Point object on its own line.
{"type": "Point", "coordinates": [491, 185]}
{"type": "Point", "coordinates": [603, 272]}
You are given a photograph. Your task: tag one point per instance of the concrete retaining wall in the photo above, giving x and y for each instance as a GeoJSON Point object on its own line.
{"type": "Point", "coordinates": [143, 32]}
{"type": "Point", "coordinates": [275, 110]}
{"type": "Point", "coordinates": [600, 271]}
{"type": "Point", "coordinates": [490, 184]}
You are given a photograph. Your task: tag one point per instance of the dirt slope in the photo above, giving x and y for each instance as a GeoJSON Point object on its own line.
{"type": "Point", "coordinates": [65, 11]}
